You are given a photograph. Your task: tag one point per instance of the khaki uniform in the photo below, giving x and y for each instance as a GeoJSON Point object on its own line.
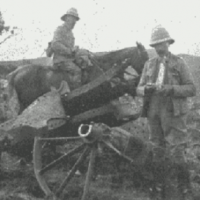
{"type": "Point", "coordinates": [166, 114]}
{"type": "Point", "coordinates": [63, 54]}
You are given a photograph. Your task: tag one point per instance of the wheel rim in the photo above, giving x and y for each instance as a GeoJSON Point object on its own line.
{"type": "Point", "coordinates": [40, 170]}
{"type": "Point", "coordinates": [90, 139]}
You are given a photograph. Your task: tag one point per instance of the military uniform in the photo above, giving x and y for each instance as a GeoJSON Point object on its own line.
{"type": "Point", "coordinates": [63, 57]}
{"type": "Point", "coordinates": [64, 53]}
{"type": "Point", "coordinates": [166, 112]}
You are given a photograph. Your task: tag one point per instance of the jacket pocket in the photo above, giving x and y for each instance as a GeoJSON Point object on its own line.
{"type": "Point", "coordinates": [180, 106]}
{"type": "Point", "coordinates": [174, 76]}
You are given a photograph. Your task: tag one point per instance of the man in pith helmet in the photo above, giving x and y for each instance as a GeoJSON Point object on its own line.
{"type": "Point", "coordinates": [165, 84]}
{"type": "Point", "coordinates": [64, 49]}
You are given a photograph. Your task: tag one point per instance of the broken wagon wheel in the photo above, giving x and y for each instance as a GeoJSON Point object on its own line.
{"type": "Point", "coordinates": [86, 148]}
{"type": "Point", "coordinates": [90, 137]}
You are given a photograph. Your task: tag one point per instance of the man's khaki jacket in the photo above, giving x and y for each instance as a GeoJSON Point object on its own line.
{"type": "Point", "coordinates": [178, 75]}
{"type": "Point", "coordinates": [62, 44]}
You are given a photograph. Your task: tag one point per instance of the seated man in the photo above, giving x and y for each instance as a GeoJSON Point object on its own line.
{"type": "Point", "coordinates": [63, 50]}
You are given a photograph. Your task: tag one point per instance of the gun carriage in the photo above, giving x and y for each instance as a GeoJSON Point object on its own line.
{"type": "Point", "coordinates": [88, 118]}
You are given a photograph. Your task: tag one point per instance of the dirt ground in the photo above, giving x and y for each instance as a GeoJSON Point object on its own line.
{"type": "Point", "coordinates": [21, 185]}
{"type": "Point", "coordinates": [18, 182]}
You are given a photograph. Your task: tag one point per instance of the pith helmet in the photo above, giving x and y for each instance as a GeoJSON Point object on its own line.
{"type": "Point", "coordinates": [72, 12]}
{"type": "Point", "coordinates": [159, 35]}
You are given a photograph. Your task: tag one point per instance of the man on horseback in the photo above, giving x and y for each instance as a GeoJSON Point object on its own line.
{"type": "Point", "coordinates": [165, 84]}
{"type": "Point", "coordinates": [63, 49]}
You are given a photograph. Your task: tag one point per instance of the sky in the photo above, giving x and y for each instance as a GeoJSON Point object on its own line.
{"type": "Point", "coordinates": [104, 25]}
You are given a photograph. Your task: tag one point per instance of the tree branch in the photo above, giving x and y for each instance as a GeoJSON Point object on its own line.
{"type": "Point", "coordinates": [7, 38]}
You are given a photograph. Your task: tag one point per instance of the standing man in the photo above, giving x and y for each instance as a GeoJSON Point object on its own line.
{"type": "Point", "coordinates": [165, 85]}
{"type": "Point", "coordinates": [64, 50]}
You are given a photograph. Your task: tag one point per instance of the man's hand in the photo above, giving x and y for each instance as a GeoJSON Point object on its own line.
{"type": "Point", "coordinates": [166, 90]}
{"type": "Point", "coordinates": [149, 89]}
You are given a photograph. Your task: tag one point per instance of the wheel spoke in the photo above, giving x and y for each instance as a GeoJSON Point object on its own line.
{"type": "Point", "coordinates": [73, 170]}
{"type": "Point", "coordinates": [110, 146]}
{"type": "Point", "coordinates": [60, 159]}
{"type": "Point", "coordinates": [90, 171]}
{"type": "Point", "coordinates": [60, 138]}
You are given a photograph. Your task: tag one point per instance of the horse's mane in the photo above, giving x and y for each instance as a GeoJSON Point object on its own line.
{"type": "Point", "coordinates": [107, 59]}
{"type": "Point", "coordinates": [113, 54]}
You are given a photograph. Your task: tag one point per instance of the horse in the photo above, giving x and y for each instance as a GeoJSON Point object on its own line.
{"type": "Point", "coordinates": [32, 81]}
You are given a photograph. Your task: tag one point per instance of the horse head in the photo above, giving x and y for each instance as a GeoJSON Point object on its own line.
{"type": "Point", "coordinates": [140, 56]}
{"type": "Point", "coordinates": [142, 51]}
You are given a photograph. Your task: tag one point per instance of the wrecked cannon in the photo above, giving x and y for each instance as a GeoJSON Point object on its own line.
{"type": "Point", "coordinates": [92, 136]}
{"type": "Point", "coordinates": [82, 141]}
{"type": "Point", "coordinates": [64, 118]}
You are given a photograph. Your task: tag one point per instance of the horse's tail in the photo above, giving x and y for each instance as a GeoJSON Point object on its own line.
{"type": "Point", "coordinates": [12, 96]}
{"type": "Point", "coordinates": [11, 82]}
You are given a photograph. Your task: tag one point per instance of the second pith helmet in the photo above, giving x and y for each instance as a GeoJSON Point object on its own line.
{"type": "Point", "coordinates": [159, 35]}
